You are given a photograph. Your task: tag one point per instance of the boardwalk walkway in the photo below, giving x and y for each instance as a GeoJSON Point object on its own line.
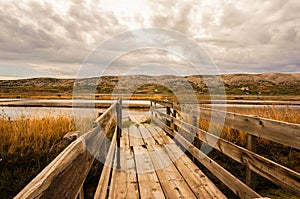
{"type": "Point", "coordinates": [151, 165]}
{"type": "Point", "coordinates": [149, 168]}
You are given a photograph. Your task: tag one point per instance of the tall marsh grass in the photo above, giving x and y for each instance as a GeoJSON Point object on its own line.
{"type": "Point", "coordinates": [37, 135]}
{"type": "Point", "coordinates": [285, 114]}
{"type": "Point", "coordinates": [27, 146]}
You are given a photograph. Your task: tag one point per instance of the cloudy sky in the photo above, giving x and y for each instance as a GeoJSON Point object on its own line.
{"type": "Point", "coordinates": [54, 38]}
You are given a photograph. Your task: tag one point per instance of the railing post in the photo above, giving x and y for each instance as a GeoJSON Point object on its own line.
{"type": "Point", "coordinates": [195, 124]}
{"type": "Point", "coordinates": [119, 131]}
{"type": "Point", "coordinates": [81, 193]}
{"type": "Point", "coordinates": [175, 115]}
{"type": "Point", "coordinates": [168, 112]}
{"type": "Point", "coordinates": [251, 177]}
{"type": "Point", "coordinates": [151, 106]}
{"type": "Point", "coordinates": [155, 114]}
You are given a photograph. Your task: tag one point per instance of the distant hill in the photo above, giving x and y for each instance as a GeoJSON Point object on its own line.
{"type": "Point", "coordinates": [268, 84]}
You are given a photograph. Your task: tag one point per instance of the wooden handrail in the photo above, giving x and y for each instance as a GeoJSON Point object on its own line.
{"type": "Point", "coordinates": [233, 183]}
{"type": "Point", "coordinates": [269, 169]}
{"type": "Point", "coordinates": [101, 190]}
{"type": "Point", "coordinates": [277, 131]}
{"type": "Point", "coordinates": [58, 179]}
{"type": "Point", "coordinates": [280, 175]}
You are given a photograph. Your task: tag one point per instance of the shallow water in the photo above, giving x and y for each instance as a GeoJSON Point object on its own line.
{"type": "Point", "coordinates": [16, 112]}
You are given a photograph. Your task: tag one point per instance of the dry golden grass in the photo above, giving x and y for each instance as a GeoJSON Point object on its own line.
{"type": "Point", "coordinates": [28, 145]}
{"type": "Point", "coordinates": [286, 114]}
{"type": "Point", "coordinates": [37, 134]}
{"type": "Point", "coordinates": [32, 135]}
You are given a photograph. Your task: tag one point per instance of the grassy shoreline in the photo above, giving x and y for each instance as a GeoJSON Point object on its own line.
{"type": "Point", "coordinates": [148, 97]}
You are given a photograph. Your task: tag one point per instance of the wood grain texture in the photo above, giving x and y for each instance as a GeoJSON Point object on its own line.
{"type": "Point", "coordinates": [146, 135]}
{"type": "Point", "coordinates": [101, 191]}
{"type": "Point", "coordinates": [273, 130]}
{"type": "Point", "coordinates": [195, 178]}
{"type": "Point", "coordinates": [124, 182]}
{"type": "Point", "coordinates": [172, 183]}
{"type": "Point", "coordinates": [233, 183]}
{"type": "Point", "coordinates": [58, 179]}
{"type": "Point", "coordinates": [135, 137]}
{"type": "Point", "coordinates": [149, 184]}
{"type": "Point", "coordinates": [280, 175]}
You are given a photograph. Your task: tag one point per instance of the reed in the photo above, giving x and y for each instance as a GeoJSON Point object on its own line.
{"type": "Point", "coordinates": [285, 114]}
{"type": "Point", "coordinates": [27, 146]}
{"type": "Point", "coordinates": [32, 135]}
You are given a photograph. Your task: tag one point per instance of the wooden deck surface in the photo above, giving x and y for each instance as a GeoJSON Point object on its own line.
{"type": "Point", "coordinates": [149, 168]}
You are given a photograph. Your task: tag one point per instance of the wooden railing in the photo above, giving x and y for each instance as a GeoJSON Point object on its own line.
{"type": "Point", "coordinates": [65, 175]}
{"type": "Point", "coordinates": [168, 116]}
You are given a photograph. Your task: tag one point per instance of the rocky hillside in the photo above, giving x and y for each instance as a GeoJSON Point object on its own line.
{"type": "Point", "coordinates": [270, 84]}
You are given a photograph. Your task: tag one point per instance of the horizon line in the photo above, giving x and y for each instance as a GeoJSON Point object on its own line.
{"type": "Point", "coordinates": [7, 78]}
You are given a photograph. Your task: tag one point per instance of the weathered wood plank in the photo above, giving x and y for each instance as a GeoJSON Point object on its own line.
{"type": "Point", "coordinates": [135, 137]}
{"type": "Point", "coordinates": [273, 130]}
{"type": "Point", "coordinates": [58, 179]}
{"type": "Point", "coordinates": [149, 185]}
{"type": "Point", "coordinates": [251, 177]}
{"type": "Point", "coordinates": [155, 134]}
{"type": "Point", "coordinates": [276, 131]}
{"type": "Point", "coordinates": [173, 184]}
{"type": "Point", "coordinates": [101, 191]}
{"type": "Point", "coordinates": [237, 186]}
{"type": "Point", "coordinates": [196, 179]}
{"type": "Point", "coordinates": [138, 118]}
{"type": "Point", "coordinates": [124, 182]}
{"type": "Point", "coordinates": [280, 175]}
{"type": "Point", "coordinates": [146, 135]}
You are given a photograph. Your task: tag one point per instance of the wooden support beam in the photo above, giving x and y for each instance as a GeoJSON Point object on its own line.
{"type": "Point", "coordinates": [168, 112]}
{"type": "Point", "coordinates": [119, 130]}
{"type": "Point", "coordinates": [251, 177]}
{"type": "Point", "coordinates": [101, 191]}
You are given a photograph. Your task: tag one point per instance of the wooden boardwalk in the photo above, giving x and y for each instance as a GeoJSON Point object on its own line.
{"type": "Point", "coordinates": [143, 161]}
{"type": "Point", "coordinates": [149, 168]}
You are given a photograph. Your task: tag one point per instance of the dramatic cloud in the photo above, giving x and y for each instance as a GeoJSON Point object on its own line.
{"type": "Point", "coordinates": [54, 37]}
{"type": "Point", "coordinates": [240, 36]}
